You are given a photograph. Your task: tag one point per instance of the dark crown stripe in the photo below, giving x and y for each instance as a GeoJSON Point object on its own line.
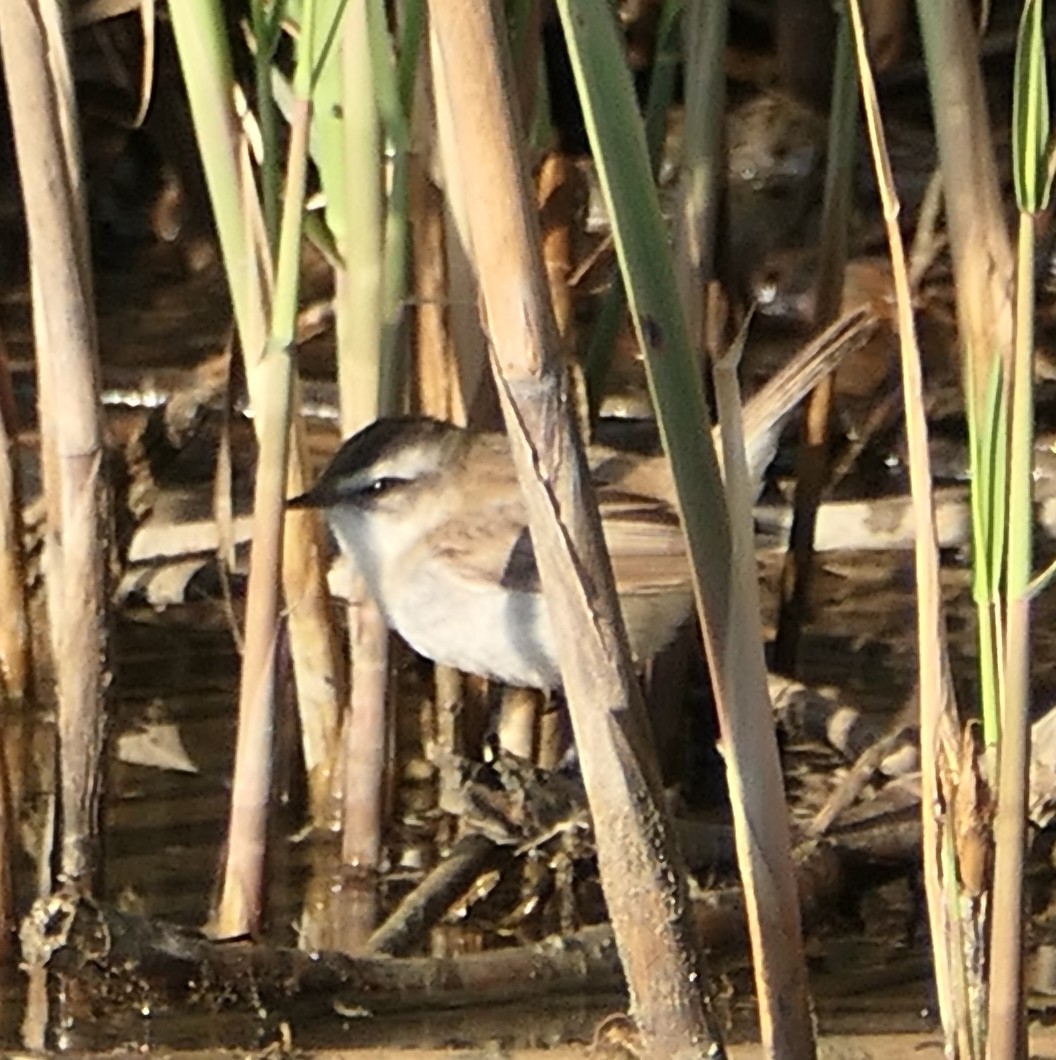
{"type": "Point", "coordinates": [368, 446]}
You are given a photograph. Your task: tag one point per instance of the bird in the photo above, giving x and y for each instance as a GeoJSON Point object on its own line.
{"type": "Point", "coordinates": [431, 515]}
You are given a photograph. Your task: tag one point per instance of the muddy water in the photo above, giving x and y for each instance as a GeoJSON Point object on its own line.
{"type": "Point", "coordinates": [165, 829]}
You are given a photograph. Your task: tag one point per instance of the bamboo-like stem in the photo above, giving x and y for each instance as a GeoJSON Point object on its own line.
{"type": "Point", "coordinates": [1006, 1020]}
{"type": "Point", "coordinates": [362, 218]}
{"type": "Point", "coordinates": [982, 263]}
{"type": "Point", "coordinates": [645, 899]}
{"type": "Point", "coordinates": [199, 29]}
{"type": "Point", "coordinates": [395, 112]}
{"type": "Point", "coordinates": [40, 91]}
{"type": "Point", "coordinates": [241, 898]}
{"type": "Point", "coordinates": [1033, 175]}
{"type": "Point", "coordinates": [357, 217]}
{"type": "Point", "coordinates": [360, 88]}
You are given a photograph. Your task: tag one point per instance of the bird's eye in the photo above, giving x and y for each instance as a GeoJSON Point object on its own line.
{"type": "Point", "coordinates": [381, 486]}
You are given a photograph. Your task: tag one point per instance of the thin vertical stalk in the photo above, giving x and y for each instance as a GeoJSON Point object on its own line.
{"type": "Point", "coordinates": [434, 389]}
{"type": "Point", "coordinates": [979, 242]}
{"type": "Point", "coordinates": [265, 37]}
{"type": "Point", "coordinates": [1006, 1021]}
{"type": "Point", "coordinates": [199, 29]}
{"type": "Point", "coordinates": [394, 112]}
{"type": "Point", "coordinates": [364, 89]}
{"type": "Point", "coordinates": [938, 727]}
{"type": "Point", "coordinates": [435, 386]}
{"type": "Point", "coordinates": [360, 204]}
{"type": "Point", "coordinates": [359, 226]}
{"type": "Point", "coordinates": [16, 644]}
{"type": "Point", "coordinates": [812, 465]}
{"type": "Point", "coordinates": [241, 899]}
{"type": "Point", "coordinates": [464, 323]}
{"type": "Point", "coordinates": [1032, 170]}
{"type": "Point", "coordinates": [704, 30]}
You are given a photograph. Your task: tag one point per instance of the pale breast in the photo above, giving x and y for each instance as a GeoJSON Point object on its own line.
{"type": "Point", "coordinates": [476, 627]}
{"type": "Point", "coordinates": [506, 635]}
{"type": "Point", "coordinates": [466, 593]}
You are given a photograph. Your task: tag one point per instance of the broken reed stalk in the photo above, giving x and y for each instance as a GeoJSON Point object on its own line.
{"type": "Point", "coordinates": [938, 722]}
{"type": "Point", "coordinates": [364, 162]}
{"type": "Point", "coordinates": [358, 85]}
{"type": "Point", "coordinates": [365, 215]}
{"type": "Point", "coordinates": [638, 865]}
{"type": "Point", "coordinates": [520, 724]}
{"type": "Point", "coordinates": [40, 91]}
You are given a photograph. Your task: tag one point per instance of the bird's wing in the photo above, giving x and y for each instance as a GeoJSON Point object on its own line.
{"type": "Point", "coordinates": [642, 533]}
{"type": "Point", "coordinates": [637, 500]}
{"type": "Point", "coordinates": [645, 542]}
{"type": "Point", "coordinates": [489, 545]}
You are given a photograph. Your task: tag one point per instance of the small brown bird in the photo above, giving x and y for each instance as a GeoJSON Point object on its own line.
{"type": "Point", "coordinates": [432, 516]}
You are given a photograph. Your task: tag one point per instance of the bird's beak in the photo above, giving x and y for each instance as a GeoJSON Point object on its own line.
{"type": "Point", "coordinates": [306, 500]}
